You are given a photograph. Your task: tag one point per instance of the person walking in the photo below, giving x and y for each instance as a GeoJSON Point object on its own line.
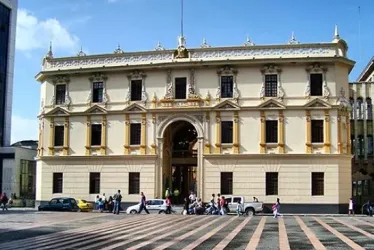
{"type": "Point", "coordinates": [223, 205]}
{"type": "Point", "coordinates": [219, 203]}
{"type": "Point", "coordinates": [276, 208]}
{"type": "Point", "coordinates": [239, 208]}
{"type": "Point", "coordinates": [143, 203]}
{"type": "Point", "coordinates": [168, 205]}
{"type": "Point", "coordinates": [4, 201]}
{"type": "Point", "coordinates": [118, 198]}
{"type": "Point", "coordinates": [351, 210]}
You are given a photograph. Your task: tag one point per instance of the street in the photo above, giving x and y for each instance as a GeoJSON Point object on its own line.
{"type": "Point", "coordinates": [48, 230]}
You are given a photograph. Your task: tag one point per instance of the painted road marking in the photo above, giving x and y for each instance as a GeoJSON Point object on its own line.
{"type": "Point", "coordinates": [367, 234]}
{"type": "Point", "coordinates": [283, 238]}
{"type": "Point", "coordinates": [311, 236]}
{"type": "Point", "coordinates": [255, 239]}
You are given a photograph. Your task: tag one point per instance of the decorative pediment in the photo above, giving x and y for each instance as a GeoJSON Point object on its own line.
{"type": "Point", "coordinates": [227, 105]}
{"type": "Point", "coordinates": [58, 111]}
{"type": "Point", "coordinates": [272, 104]}
{"type": "Point", "coordinates": [135, 108]}
{"type": "Point", "coordinates": [95, 109]}
{"type": "Point", "coordinates": [317, 104]}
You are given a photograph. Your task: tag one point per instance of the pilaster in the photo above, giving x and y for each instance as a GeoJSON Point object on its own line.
{"type": "Point", "coordinates": [308, 143]}
{"type": "Point", "coordinates": [153, 145]}
{"type": "Point", "coordinates": [348, 122]}
{"type": "Point", "coordinates": [207, 133]}
{"type": "Point", "coordinates": [65, 150]}
{"type": "Point", "coordinates": [103, 135]}
{"type": "Point", "coordinates": [280, 132]}
{"type": "Point", "coordinates": [236, 133]}
{"type": "Point", "coordinates": [364, 113]}
{"type": "Point", "coordinates": [218, 133]}
{"type": "Point", "coordinates": [357, 150]}
{"type": "Point", "coordinates": [143, 146]}
{"type": "Point", "coordinates": [327, 143]}
{"type": "Point", "coordinates": [262, 132]}
{"type": "Point", "coordinates": [88, 135]}
{"type": "Point", "coordinates": [40, 139]}
{"type": "Point", "coordinates": [127, 135]}
{"type": "Point", "coordinates": [51, 147]}
{"type": "Point", "coordinates": [339, 126]}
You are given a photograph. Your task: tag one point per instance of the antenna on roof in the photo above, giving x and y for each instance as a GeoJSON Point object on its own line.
{"type": "Point", "coordinates": [359, 32]}
{"type": "Point", "coordinates": [182, 18]}
{"type": "Point", "coordinates": [181, 38]}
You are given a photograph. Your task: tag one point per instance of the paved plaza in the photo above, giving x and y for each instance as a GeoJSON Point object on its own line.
{"type": "Point", "coordinates": [48, 230]}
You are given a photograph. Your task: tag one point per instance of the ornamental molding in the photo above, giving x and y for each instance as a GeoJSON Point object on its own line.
{"type": "Point", "coordinates": [227, 70]}
{"type": "Point", "coordinates": [98, 77]}
{"type": "Point", "coordinates": [272, 69]}
{"type": "Point", "coordinates": [136, 75]}
{"type": "Point", "coordinates": [191, 86]}
{"type": "Point", "coordinates": [169, 95]}
{"type": "Point", "coordinates": [164, 56]}
{"type": "Point", "coordinates": [61, 79]}
{"type": "Point", "coordinates": [317, 68]}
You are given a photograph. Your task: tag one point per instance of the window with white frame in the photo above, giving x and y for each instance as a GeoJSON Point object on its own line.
{"type": "Point", "coordinates": [227, 86]}
{"type": "Point", "coordinates": [60, 94]}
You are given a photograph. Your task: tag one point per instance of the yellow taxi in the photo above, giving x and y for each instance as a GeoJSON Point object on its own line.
{"type": "Point", "coordinates": [84, 206]}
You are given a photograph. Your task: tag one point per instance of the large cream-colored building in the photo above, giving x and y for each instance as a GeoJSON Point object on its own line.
{"type": "Point", "coordinates": [255, 120]}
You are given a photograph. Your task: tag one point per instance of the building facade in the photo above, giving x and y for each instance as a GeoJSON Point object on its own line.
{"type": "Point", "coordinates": [361, 95]}
{"type": "Point", "coordinates": [252, 120]}
{"type": "Point", "coordinates": [8, 19]}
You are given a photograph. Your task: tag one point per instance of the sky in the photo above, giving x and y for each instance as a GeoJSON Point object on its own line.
{"type": "Point", "coordinates": [98, 26]}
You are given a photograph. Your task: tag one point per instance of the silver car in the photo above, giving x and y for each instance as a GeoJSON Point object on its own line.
{"type": "Point", "coordinates": [153, 205]}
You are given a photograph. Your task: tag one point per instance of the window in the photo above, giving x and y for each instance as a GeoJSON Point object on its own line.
{"type": "Point", "coordinates": [27, 179]}
{"type": "Point", "coordinates": [95, 134]}
{"type": "Point", "coordinates": [98, 89]}
{"type": "Point", "coordinates": [316, 84]}
{"type": "Point", "coordinates": [370, 145]}
{"type": "Point", "coordinates": [271, 83]}
{"type": "Point", "coordinates": [180, 87]}
{"type": "Point", "coordinates": [94, 183]}
{"type": "Point", "coordinates": [237, 199]}
{"type": "Point", "coordinates": [135, 133]}
{"type": "Point", "coordinates": [226, 182]}
{"type": "Point", "coordinates": [271, 131]}
{"type": "Point", "coordinates": [318, 180]}
{"type": "Point", "coordinates": [359, 108]}
{"type": "Point", "coordinates": [134, 183]}
{"type": "Point", "coordinates": [272, 183]}
{"type": "Point", "coordinates": [136, 90]}
{"type": "Point", "coordinates": [351, 101]}
{"type": "Point", "coordinates": [60, 94]}
{"type": "Point", "coordinates": [317, 131]}
{"type": "Point", "coordinates": [226, 131]}
{"type": "Point", "coordinates": [369, 109]}
{"type": "Point", "coordinates": [59, 136]}
{"type": "Point", "coordinates": [227, 86]}
{"type": "Point", "coordinates": [57, 183]}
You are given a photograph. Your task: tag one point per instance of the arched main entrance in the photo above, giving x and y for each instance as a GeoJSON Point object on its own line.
{"type": "Point", "coordinates": [180, 159]}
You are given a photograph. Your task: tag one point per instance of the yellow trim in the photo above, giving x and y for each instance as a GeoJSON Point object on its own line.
{"type": "Point", "coordinates": [40, 141]}
{"type": "Point", "coordinates": [327, 144]}
{"type": "Point", "coordinates": [218, 133]}
{"type": "Point", "coordinates": [340, 144]}
{"type": "Point", "coordinates": [51, 147]}
{"type": "Point", "coordinates": [308, 133]}
{"type": "Point", "coordinates": [262, 132]}
{"type": "Point", "coordinates": [103, 135]}
{"type": "Point", "coordinates": [143, 134]}
{"type": "Point", "coordinates": [88, 135]}
{"type": "Point", "coordinates": [280, 132]}
{"type": "Point", "coordinates": [236, 133]}
{"type": "Point", "coordinates": [348, 128]}
{"type": "Point", "coordinates": [207, 144]}
{"type": "Point", "coordinates": [66, 136]}
{"type": "Point", "coordinates": [127, 135]}
{"type": "Point", "coordinates": [153, 146]}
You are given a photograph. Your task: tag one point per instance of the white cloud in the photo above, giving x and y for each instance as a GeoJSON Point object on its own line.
{"type": "Point", "coordinates": [24, 129]}
{"type": "Point", "coordinates": [36, 34]}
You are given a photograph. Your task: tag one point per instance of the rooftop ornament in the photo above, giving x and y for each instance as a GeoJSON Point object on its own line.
{"type": "Point", "coordinates": [81, 53]}
{"type": "Point", "coordinates": [293, 39]}
{"type": "Point", "coordinates": [248, 42]}
{"type": "Point", "coordinates": [205, 44]}
{"type": "Point", "coordinates": [336, 35]}
{"type": "Point", "coordinates": [118, 50]}
{"type": "Point", "coordinates": [49, 54]}
{"type": "Point", "coordinates": [159, 47]}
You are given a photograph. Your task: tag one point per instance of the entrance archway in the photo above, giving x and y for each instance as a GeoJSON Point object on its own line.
{"type": "Point", "coordinates": [180, 159]}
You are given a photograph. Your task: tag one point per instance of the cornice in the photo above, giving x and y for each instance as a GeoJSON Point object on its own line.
{"type": "Point", "coordinates": [277, 156]}
{"type": "Point", "coordinates": [99, 157]}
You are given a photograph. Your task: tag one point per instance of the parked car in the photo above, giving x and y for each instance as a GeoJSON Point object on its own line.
{"type": "Point", "coordinates": [250, 208]}
{"type": "Point", "coordinates": [158, 205]}
{"type": "Point", "coordinates": [60, 204]}
{"type": "Point", "coordinates": [84, 206]}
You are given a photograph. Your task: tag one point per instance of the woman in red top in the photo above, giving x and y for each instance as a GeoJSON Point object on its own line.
{"type": "Point", "coordinates": [168, 205]}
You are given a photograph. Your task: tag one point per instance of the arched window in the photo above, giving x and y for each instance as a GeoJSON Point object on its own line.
{"type": "Point", "coordinates": [369, 109]}
{"type": "Point", "coordinates": [359, 105]}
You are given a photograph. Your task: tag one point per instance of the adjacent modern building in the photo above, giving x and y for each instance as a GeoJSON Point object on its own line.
{"type": "Point", "coordinates": [361, 96]}
{"type": "Point", "coordinates": [254, 120]}
{"type": "Point", "coordinates": [8, 18]}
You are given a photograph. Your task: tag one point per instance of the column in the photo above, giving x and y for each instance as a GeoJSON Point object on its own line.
{"type": "Point", "coordinates": [40, 139]}
{"type": "Point", "coordinates": [200, 169]}
{"type": "Point", "coordinates": [51, 147]}
{"type": "Point", "coordinates": [153, 145]}
{"type": "Point", "coordinates": [356, 152]}
{"type": "Point", "coordinates": [262, 132]}
{"type": "Point", "coordinates": [218, 133]}
{"type": "Point", "coordinates": [143, 146]}
{"type": "Point", "coordinates": [160, 167]}
{"type": "Point", "coordinates": [327, 132]}
{"type": "Point", "coordinates": [308, 133]}
{"type": "Point", "coordinates": [348, 122]}
{"type": "Point", "coordinates": [280, 132]}
{"type": "Point", "coordinates": [127, 135]}
{"type": "Point", "coordinates": [339, 126]}
{"type": "Point", "coordinates": [236, 133]}
{"type": "Point", "coordinates": [103, 136]}
{"type": "Point", "coordinates": [207, 133]}
{"type": "Point", "coordinates": [88, 135]}
{"type": "Point", "coordinates": [66, 136]}
{"type": "Point", "coordinates": [364, 110]}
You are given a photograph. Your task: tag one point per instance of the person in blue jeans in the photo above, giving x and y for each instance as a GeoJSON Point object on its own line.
{"type": "Point", "coordinates": [143, 203]}
{"type": "Point", "coordinates": [117, 202]}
